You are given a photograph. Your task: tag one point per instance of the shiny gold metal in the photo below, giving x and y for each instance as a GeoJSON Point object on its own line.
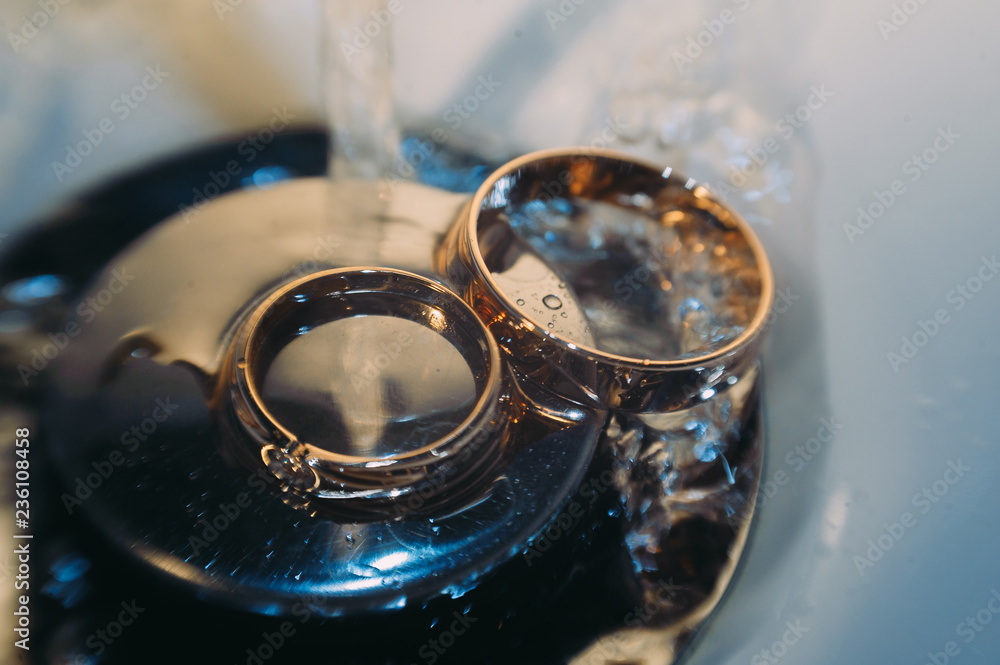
{"type": "Point", "coordinates": [582, 372]}
{"type": "Point", "coordinates": [311, 471]}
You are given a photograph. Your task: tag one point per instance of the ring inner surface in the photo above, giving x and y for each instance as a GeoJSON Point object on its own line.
{"type": "Point", "coordinates": [371, 373]}
{"type": "Point", "coordinates": [614, 256]}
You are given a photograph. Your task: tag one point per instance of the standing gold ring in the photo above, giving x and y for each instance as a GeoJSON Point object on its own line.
{"type": "Point", "coordinates": [709, 277]}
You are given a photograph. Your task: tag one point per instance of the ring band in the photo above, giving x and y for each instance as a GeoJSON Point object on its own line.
{"type": "Point", "coordinates": [569, 364]}
{"type": "Point", "coordinates": [311, 471]}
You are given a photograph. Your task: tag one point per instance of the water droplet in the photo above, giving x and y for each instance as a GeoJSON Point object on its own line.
{"type": "Point", "coordinates": [552, 301]}
{"type": "Point", "coordinates": [552, 325]}
{"type": "Point", "coordinates": [520, 301]}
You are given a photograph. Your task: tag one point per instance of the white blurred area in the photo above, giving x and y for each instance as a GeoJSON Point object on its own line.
{"type": "Point", "coordinates": [852, 301]}
{"type": "Point", "coordinates": [230, 63]}
{"type": "Point", "coordinates": [225, 77]}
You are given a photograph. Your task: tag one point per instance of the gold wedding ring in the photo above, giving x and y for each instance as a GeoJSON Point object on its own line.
{"type": "Point", "coordinates": [312, 471]}
{"type": "Point", "coordinates": [711, 249]}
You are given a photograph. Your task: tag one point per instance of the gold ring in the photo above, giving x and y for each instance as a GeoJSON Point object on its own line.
{"type": "Point", "coordinates": [546, 317]}
{"type": "Point", "coordinates": [310, 471]}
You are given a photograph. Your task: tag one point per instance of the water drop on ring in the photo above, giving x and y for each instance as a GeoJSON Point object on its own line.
{"type": "Point", "coordinates": [552, 301]}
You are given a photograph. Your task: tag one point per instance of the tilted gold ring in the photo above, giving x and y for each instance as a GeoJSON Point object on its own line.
{"type": "Point", "coordinates": [611, 281]}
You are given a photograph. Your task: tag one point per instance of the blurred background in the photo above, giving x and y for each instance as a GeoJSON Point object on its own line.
{"type": "Point", "coordinates": [858, 137]}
